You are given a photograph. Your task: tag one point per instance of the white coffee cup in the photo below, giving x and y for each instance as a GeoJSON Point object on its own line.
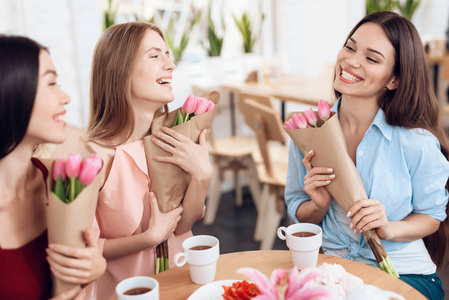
{"type": "Point", "coordinates": [202, 263]}
{"type": "Point", "coordinates": [304, 250]}
{"type": "Point", "coordinates": [138, 282]}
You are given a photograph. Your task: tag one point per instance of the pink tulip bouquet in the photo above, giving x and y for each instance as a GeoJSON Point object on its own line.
{"type": "Point", "coordinates": [168, 181]}
{"type": "Point", "coordinates": [321, 132]}
{"type": "Point", "coordinates": [193, 106]}
{"type": "Point", "coordinates": [72, 198]}
{"type": "Point", "coordinates": [71, 176]}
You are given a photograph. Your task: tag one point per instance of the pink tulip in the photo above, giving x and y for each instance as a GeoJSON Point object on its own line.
{"type": "Point", "coordinates": [299, 120]}
{"type": "Point", "coordinates": [290, 124]}
{"type": "Point", "coordinates": [189, 105]}
{"type": "Point", "coordinates": [211, 106]}
{"type": "Point", "coordinates": [90, 168]}
{"type": "Point", "coordinates": [311, 117]}
{"type": "Point", "coordinates": [323, 110]}
{"type": "Point", "coordinates": [59, 169]}
{"type": "Point", "coordinates": [73, 165]}
{"type": "Point", "coordinates": [203, 104]}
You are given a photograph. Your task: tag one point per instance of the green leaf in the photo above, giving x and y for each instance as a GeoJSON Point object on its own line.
{"type": "Point", "coordinates": [59, 189]}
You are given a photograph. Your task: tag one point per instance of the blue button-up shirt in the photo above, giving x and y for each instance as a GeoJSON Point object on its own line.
{"type": "Point", "coordinates": [404, 169]}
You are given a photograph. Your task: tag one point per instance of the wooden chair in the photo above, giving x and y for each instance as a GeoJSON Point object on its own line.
{"type": "Point", "coordinates": [229, 154]}
{"type": "Point", "coordinates": [272, 171]}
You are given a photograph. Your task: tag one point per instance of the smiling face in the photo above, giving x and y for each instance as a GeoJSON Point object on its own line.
{"type": "Point", "coordinates": [152, 72]}
{"type": "Point", "coordinates": [365, 64]}
{"type": "Point", "coordinates": [47, 117]}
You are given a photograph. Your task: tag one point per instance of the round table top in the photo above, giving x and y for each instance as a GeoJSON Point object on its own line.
{"type": "Point", "coordinates": [175, 283]}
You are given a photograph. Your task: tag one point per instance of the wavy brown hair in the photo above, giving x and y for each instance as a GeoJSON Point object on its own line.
{"type": "Point", "coordinates": [111, 112]}
{"type": "Point", "coordinates": [414, 103]}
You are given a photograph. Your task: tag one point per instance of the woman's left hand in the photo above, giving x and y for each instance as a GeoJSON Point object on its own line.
{"type": "Point", "coordinates": [369, 214]}
{"type": "Point", "coordinates": [191, 157]}
{"type": "Point", "coordinates": [77, 265]}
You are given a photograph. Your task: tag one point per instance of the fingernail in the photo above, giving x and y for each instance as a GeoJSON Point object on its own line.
{"type": "Point", "coordinates": [328, 181]}
{"type": "Point", "coordinates": [332, 176]}
{"type": "Point", "coordinates": [310, 151]}
{"type": "Point", "coordinates": [51, 246]}
{"type": "Point", "coordinates": [330, 170]}
{"type": "Point", "coordinates": [155, 133]}
{"type": "Point", "coordinates": [151, 194]}
{"type": "Point", "coordinates": [355, 231]}
{"type": "Point", "coordinates": [350, 225]}
{"type": "Point", "coordinates": [348, 214]}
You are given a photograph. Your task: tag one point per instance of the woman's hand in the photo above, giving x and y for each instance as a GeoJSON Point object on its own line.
{"type": "Point", "coordinates": [77, 265]}
{"type": "Point", "coordinates": [369, 214]}
{"type": "Point", "coordinates": [161, 226]}
{"type": "Point", "coordinates": [191, 157]}
{"type": "Point", "coordinates": [75, 294]}
{"type": "Point", "coordinates": [315, 181]}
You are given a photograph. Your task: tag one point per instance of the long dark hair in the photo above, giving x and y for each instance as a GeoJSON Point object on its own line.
{"type": "Point", "coordinates": [19, 71]}
{"type": "Point", "coordinates": [414, 103]}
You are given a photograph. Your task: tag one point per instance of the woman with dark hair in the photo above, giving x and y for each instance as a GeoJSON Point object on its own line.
{"type": "Point", "coordinates": [390, 119]}
{"type": "Point", "coordinates": [32, 112]}
{"type": "Point", "coordinates": [130, 84]}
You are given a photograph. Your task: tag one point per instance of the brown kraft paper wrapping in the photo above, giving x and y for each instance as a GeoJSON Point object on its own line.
{"type": "Point", "coordinates": [66, 222]}
{"type": "Point", "coordinates": [168, 181]}
{"type": "Point", "coordinates": [329, 145]}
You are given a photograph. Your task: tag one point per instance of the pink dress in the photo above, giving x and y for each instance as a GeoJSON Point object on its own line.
{"type": "Point", "coordinates": [123, 210]}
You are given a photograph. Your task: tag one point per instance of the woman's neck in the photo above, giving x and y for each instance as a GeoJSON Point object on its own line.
{"type": "Point", "coordinates": [356, 113]}
{"type": "Point", "coordinates": [16, 168]}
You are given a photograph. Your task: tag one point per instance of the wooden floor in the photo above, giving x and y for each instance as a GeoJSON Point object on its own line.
{"type": "Point", "coordinates": [234, 227]}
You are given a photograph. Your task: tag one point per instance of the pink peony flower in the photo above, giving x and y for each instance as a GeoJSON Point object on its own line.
{"type": "Point", "coordinates": [285, 285]}
{"type": "Point", "coordinates": [73, 165]}
{"type": "Point", "coordinates": [324, 111]}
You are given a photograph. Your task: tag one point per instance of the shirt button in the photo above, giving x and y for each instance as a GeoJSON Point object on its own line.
{"type": "Point", "coordinates": [360, 153]}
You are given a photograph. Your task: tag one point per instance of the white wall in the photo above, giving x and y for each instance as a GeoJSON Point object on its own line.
{"type": "Point", "coordinates": [307, 36]}
{"type": "Point", "coordinates": [70, 30]}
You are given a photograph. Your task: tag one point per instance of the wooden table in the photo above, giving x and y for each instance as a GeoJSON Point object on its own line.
{"type": "Point", "coordinates": [291, 88]}
{"type": "Point", "coordinates": [175, 283]}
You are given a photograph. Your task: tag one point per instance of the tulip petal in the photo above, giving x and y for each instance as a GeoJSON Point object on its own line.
{"type": "Point", "coordinates": [324, 111]}
{"type": "Point", "coordinates": [73, 165]}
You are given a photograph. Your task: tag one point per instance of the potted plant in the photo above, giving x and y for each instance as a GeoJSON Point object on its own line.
{"type": "Point", "coordinates": [247, 31]}
{"type": "Point", "coordinates": [178, 48]}
{"type": "Point", "coordinates": [408, 8]}
{"type": "Point", "coordinates": [215, 42]}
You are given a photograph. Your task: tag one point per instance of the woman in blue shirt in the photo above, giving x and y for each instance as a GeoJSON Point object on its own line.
{"type": "Point", "coordinates": [390, 119]}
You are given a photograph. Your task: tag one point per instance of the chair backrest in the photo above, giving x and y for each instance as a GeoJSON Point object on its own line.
{"type": "Point", "coordinates": [266, 123]}
{"type": "Point", "coordinates": [259, 98]}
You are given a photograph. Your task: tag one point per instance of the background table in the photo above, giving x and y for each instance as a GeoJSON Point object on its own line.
{"type": "Point", "coordinates": [175, 283]}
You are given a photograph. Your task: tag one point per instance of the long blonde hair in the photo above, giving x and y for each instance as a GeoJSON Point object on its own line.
{"type": "Point", "coordinates": [111, 113]}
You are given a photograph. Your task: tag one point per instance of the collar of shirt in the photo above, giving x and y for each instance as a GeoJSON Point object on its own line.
{"type": "Point", "coordinates": [379, 120]}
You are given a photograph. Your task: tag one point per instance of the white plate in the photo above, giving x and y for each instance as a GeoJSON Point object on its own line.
{"type": "Point", "coordinates": [212, 291]}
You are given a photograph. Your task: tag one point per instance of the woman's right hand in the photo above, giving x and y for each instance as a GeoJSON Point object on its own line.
{"type": "Point", "coordinates": [315, 182]}
{"type": "Point", "coordinates": [161, 225]}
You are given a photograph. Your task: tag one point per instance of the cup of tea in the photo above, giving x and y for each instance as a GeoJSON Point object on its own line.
{"type": "Point", "coordinates": [138, 288]}
{"type": "Point", "coordinates": [201, 253]}
{"type": "Point", "coordinates": [304, 241]}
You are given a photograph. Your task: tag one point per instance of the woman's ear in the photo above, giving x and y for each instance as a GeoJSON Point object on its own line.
{"type": "Point", "coordinates": [393, 83]}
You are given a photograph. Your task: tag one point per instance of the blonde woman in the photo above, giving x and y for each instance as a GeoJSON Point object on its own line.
{"type": "Point", "coordinates": [131, 82]}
